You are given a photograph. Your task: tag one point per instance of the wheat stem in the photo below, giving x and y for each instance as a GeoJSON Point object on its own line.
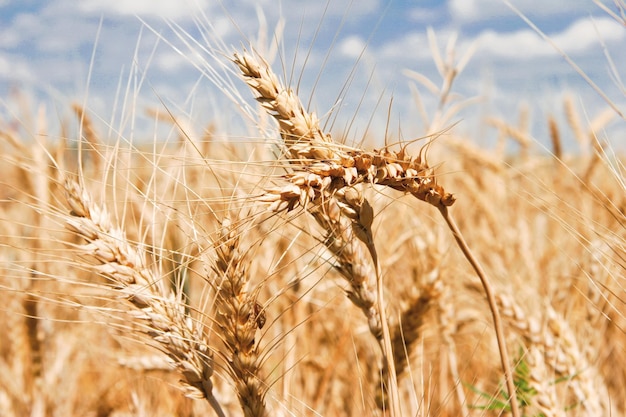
{"type": "Point", "coordinates": [493, 306]}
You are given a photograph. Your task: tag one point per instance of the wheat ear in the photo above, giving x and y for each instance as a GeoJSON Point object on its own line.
{"type": "Point", "coordinates": [238, 317]}
{"type": "Point", "coordinates": [554, 350]}
{"type": "Point", "coordinates": [161, 311]}
{"type": "Point", "coordinates": [309, 148]}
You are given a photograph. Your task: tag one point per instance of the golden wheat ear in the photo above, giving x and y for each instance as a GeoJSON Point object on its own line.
{"type": "Point", "coordinates": [161, 312]}
{"type": "Point", "coordinates": [239, 316]}
{"type": "Point", "coordinates": [339, 208]}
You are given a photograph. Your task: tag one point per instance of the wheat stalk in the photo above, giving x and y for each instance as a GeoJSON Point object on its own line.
{"type": "Point", "coordinates": [493, 306]}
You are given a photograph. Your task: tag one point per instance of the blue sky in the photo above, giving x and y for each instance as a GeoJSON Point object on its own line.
{"type": "Point", "coordinates": [46, 50]}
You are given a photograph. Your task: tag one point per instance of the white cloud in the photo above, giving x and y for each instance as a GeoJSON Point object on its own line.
{"type": "Point", "coordinates": [469, 9]}
{"type": "Point", "coordinates": [15, 69]}
{"type": "Point", "coordinates": [525, 44]}
{"type": "Point", "coordinates": [478, 10]}
{"type": "Point", "coordinates": [51, 29]}
{"type": "Point", "coordinates": [20, 29]}
{"type": "Point", "coordinates": [169, 62]}
{"type": "Point", "coordinates": [9, 38]}
{"type": "Point", "coordinates": [520, 45]}
{"type": "Point", "coordinates": [171, 9]}
{"type": "Point", "coordinates": [422, 15]}
{"type": "Point", "coordinates": [352, 46]}
{"type": "Point", "coordinates": [316, 9]}
{"type": "Point", "coordinates": [586, 33]}
{"type": "Point", "coordinates": [5, 66]}
{"type": "Point", "coordinates": [414, 46]}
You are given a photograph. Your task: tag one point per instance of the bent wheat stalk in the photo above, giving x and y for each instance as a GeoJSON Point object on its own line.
{"type": "Point", "coordinates": [493, 306]}
{"type": "Point", "coordinates": [162, 312]}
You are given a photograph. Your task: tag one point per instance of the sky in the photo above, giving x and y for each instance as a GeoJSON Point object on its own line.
{"type": "Point", "coordinates": [351, 61]}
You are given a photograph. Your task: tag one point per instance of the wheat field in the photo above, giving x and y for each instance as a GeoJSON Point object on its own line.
{"type": "Point", "coordinates": [291, 271]}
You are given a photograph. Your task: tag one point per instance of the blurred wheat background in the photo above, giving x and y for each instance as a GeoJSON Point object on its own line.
{"type": "Point", "coordinates": [213, 272]}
